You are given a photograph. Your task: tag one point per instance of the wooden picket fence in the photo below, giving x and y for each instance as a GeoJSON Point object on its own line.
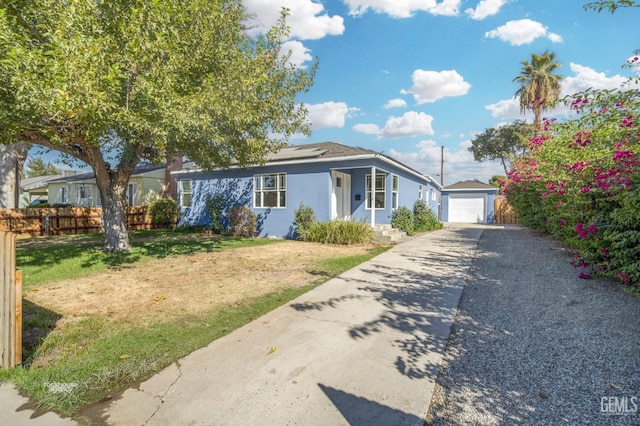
{"type": "Point", "coordinates": [36, 222]}
{"type": "Point", "coordinates": [10, 303]}
{"type": "Point", "coordinates": [504, 213]}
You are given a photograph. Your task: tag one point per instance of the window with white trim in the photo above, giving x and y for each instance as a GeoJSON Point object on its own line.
{"type": "Point", "coordinates": [84, 195]}
{"type": "Point", "coordinates": [380, 193]}
{"type": "Point", "coordinates": [185, 192]}
{"type": "Point", "coordinates": [394, 191]}
{"type": "Point", "coordinates": [270, 191]}
{"type": "Point", "coordinates": [63, 195]}
{"type": "Point", "coordinates": [419, 192]}
{"type": "Point", "coordinates": [132, 189]}
{"type": "Point", "coordinates": [433, 195]}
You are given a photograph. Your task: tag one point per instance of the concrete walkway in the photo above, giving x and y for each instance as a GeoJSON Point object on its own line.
{"type": "Point", "coordinates": [363, 348]}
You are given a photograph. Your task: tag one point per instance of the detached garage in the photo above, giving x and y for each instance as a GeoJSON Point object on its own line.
{"type": "Point", "coordinates": [470, 201]}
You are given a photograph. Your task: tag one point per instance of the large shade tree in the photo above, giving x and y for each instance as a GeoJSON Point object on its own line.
{"type": "Point", "coordinates": [539, 86]}
{"type": "Point", "coordinates": [12, 158]}
{"type": "Point", "coordinates": [114, 82]}
{"type": "Point", "coordinates": [504, 143]}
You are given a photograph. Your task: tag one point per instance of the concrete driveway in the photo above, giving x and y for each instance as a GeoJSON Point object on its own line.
{"type": "Point", "coordinates": [362, 349]}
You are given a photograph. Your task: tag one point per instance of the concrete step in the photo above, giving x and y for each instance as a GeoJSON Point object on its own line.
{"type": "Point", "coordinates": [387, 234]}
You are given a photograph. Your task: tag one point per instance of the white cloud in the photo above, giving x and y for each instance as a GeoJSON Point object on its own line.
{"type": "Point", "coordinates": [395, 103]}
{"type": "Point", "coordinates": [328, 114]}
{"type": "Point", "coordinates": [410, 124]}
{"type": "Point", "coordinates": [404, 8]}
{"type": "Point", "coordinates": [429, 86]}
{"type": "Point", "coordinates": [299, 53]}
{"type": "Point", "coordinates": [583, 78]}
{"type": "Point", "coordinates": [307, 19]}
{"type": "Point", "coordinates": [508, 109]}
{"type": "Point", "coordinates": [523, 31]}
{"type": "Point", "coordinates": [586, 78]}
{"type": "Point", "coordinates": [485, 8]}
{"type": "Point", "coordinates": [367, 128]}
{"type": "Point", "coordinates": [459, 164]}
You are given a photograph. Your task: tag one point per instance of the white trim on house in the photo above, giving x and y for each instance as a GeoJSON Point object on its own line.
{"type": "Point", "coordinates": [380, 157]}
{"type": "Point", "coordinates": [280, 190]}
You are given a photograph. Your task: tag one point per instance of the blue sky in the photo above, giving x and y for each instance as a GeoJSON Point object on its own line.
{"type": "Point", "coordinates": [405, 77]}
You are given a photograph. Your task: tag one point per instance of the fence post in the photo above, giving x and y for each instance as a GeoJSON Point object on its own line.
{"type": "Point", "coordinates": [10, 303]}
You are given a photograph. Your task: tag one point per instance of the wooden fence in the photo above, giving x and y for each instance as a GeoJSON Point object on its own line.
{"type": "Point", "coordinates": [65, 221]}
{"type": "Point", "coordinates": [504, 213]}
{"type": "Point", "coordinates": [10, 303]}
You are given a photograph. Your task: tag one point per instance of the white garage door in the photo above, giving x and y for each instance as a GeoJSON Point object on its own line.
{"type": "Point", "coordinates": [468, 209]}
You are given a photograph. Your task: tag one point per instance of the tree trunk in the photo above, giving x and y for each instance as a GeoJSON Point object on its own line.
{"type": "Point", "coordinates": [113, 189]}
{"type": "Point", "coordinates": [12, 160]}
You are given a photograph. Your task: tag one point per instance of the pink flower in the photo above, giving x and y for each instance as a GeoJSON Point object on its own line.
{"type": "Point", "coordinates": [559, 204]}
{"type": "Point", "coordinates": [604, 251]}
{"type": "Point", "coordinates": [585, 189]}
{"type": "Point", "coordinates": [624, 277]}
{"type": "Point", "coordinates": [585, 276]}
{"type": "Point", "coordinates": [592, 228]}
{"type": "Point", "coordinates": [563, 222]}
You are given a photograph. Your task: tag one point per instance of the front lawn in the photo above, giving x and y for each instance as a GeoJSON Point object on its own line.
{"type": "Point", "coordinates": [96, 323]}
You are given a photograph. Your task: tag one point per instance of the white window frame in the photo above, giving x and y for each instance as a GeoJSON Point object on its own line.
{"type": "Point", "coordinates": [433, 195]}
{"type": "Point", "coordinates": [63, 195]}
{"type": "Point", "coordinates": [382, 188]}
{"type": "Point", "coordinates": [185, 192]}
{"type": "Point", "coordinates": [87, 190]}
{"type": "Point", "coordinates": [395, 189]}
{"type": "Point", "coordinates": [131, 194]}
{"type": "Point", "coordinates": [419, 192]}
{"type": "Point", "coordinates": [262, 191]}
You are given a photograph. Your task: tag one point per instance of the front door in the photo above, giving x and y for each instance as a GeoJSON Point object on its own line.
{"type": "Point", "coordinates": [340, 195]}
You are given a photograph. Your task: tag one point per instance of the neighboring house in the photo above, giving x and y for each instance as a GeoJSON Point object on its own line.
{"type": "Point", "coordinates": [35, 189]}
{"type": "Point", "coordinates": [333, 179]}
{"type": "Point", "coordinates": [470, 201]}
{"type": "Point", "coordinates": [81, 190]}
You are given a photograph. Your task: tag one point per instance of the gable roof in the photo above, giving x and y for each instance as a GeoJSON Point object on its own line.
{"type": "Point", "coordinates": [329, 151]}
{"type": "Point", "coordinates": [80, 177]}
{"type": "Point", "coordinates": [470, 185]}
{"type": "Point", "coordinates": [36, 182]}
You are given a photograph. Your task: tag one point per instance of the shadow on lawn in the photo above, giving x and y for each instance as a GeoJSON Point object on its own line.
{"type": "Point", "coordinates": [37, 323]}
{"type": "Point", "coordinates": [91, 254]}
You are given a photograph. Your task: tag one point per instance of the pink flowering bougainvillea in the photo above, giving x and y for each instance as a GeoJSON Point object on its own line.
{"type": "Point", "coordinates": [580, 183]}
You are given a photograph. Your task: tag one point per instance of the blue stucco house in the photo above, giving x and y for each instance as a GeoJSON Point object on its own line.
{"type": "Point", "coordinates": [470, 201]}
{"type": "Point", "coordinates": [333, 179]}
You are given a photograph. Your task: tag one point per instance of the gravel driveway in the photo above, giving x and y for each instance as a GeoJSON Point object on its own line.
{"type": "Point", "coordinates": [533, 344]}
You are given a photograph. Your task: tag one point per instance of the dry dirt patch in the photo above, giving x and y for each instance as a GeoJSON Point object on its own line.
{"type": "Point", "coordinates": [188, 284]}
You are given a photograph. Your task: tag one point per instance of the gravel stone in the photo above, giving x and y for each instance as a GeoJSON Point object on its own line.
{"type": "Point", "coordinates": [533, 344]}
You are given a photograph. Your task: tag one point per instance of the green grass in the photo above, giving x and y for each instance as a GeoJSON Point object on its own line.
{"type": "Point", "coordinates": [58, 261]}
{"type": "Point", "coordinates": [92, 358]}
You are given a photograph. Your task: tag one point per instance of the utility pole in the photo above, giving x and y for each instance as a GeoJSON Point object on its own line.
{"type": "Point", "coordinates": [442, 165]}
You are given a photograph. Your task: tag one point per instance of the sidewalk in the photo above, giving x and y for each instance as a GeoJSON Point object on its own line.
{"type": "Point", "coordinates": [363, 348]}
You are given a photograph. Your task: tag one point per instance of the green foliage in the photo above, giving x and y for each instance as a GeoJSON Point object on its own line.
{"type": "Point", "coordinates": [424, 219]}
{"type": "Point", "coordinates": [610, 5]}
{"type": "Point", "coordinates": [215, 207]}
{"type": "Point", "coordinates": [402, 218]}
{"type": "Point", "coordinates": [539, 86]}
{"type": "Point", "coordinates": [504, 143]}
{"type": "Point", "coordinates": [146, 80]}
{"type": "Point", "coordinates": [340, 232]}
{"type": "Point", "coordinates": [242, 221]}
{"type": "Point", "coordinates": [581, 183]}
{"type": "Point", "coordinates": [38, 206]}
{"type": "Point", "coordinates": [37, 167]}
{"type": "Point", "coordinates": [304, 218]}
{"type": "Point", "coordinates": [163, 212]}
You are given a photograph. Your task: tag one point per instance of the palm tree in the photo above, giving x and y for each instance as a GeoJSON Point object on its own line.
{"type": "Point", "coordinates": [539, 87]}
